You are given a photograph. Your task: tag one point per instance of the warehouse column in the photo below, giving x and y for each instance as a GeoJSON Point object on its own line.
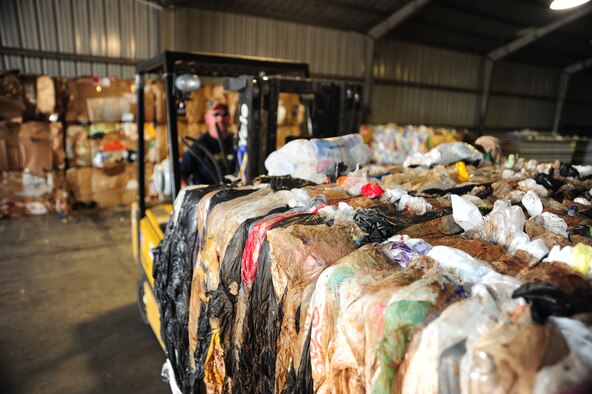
{"type": "Point", "coordinates": [377, 32]}
{"type": "Point", "coordinates": [507, 49]}
{"type": "Point", "coordinates": [563, 83]}
{"type": "Point", "coordinates": [368, 77]}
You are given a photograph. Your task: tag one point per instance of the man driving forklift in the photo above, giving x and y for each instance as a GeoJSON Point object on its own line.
{"type": "Point", "coordinates": [212, 156]}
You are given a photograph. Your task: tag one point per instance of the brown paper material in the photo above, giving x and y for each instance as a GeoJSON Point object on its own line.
{"type": "Point", "coordinates": [45, 95]}
{"type": "Point", "coordinates": [34, 145]}
{"type": "Point", "coordinates": [11, 156]}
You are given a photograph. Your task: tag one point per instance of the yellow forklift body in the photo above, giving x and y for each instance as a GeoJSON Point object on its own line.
{"type": "Point", "coordinates": [152, 228]}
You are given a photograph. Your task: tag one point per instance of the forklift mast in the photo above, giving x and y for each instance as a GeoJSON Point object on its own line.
{"type": "Point", "coordinates": [333, 108]}
{"type": "Point", "coordinates": [167, 65]}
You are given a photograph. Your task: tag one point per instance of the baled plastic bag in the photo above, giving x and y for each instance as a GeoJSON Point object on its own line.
{"type": "Point", "coordinates": [531, 185]}
{"type": "Point", "coordinates": [485, 303]}
{"type": "Point", "coordinates": [572, 369]}
{"type": "Point", "coordinates": [403, 251]}
{"type": "Point", "coordinates": [314, 159]}
{"type": "Point", "coordinates": [465, 213]}
{"type": "Point", "coordinates": [457, 265]}
{"type": "Point", "coordinates": [445, 154]}
{"type": "Point", "coordinates": [416, 205]}
{"type": "Point", "coordinates": [532, 203]}
{"type": "Point", "coordinates": [554, 223]}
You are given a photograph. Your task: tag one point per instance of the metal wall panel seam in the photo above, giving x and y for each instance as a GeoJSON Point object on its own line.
{"type": "Point", "coordinates": [10, 24]}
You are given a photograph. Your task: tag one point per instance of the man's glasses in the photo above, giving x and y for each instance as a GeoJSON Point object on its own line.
{"type": "Point", "coordinates": [221, 113]}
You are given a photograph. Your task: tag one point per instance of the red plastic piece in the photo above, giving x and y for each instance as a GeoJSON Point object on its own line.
{"type": "Point", "coordinates": [372, 190]}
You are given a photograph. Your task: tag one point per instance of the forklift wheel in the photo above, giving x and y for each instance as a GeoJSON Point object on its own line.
{"type": "Point", "coordinates": [142, 301]}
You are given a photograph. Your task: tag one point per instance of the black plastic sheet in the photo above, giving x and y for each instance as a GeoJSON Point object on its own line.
{"type": "Point", "coordinates": [222, 302]}
{"type": "Point", "coordinates": [256, 369]}
{"type": "Point", "coordinates": [460, 190]}
{"type": "Point", "coordinates": [285, 182]}
{"type": "Point", "coordinates": [300, 381]}
{"type": "Point", "coordinates": [173, 270]}
{"type": "Point", "coordinates": [548, 181]}
{"type": "Point", "coordinates": [547, 300]}
{"type": "Point", "coordinates": [567, 170]}
{"type": "Point", "coordinates": [382, 224]}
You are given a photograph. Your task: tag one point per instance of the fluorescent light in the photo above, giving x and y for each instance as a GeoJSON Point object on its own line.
{"type": "Point", "coordinates": [565, 4]}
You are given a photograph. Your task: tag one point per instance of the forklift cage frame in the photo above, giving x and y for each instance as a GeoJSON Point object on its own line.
{"type": "Point", "coordinates": [203, 64]}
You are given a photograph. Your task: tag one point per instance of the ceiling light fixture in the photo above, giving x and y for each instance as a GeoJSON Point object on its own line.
{"type": "Point", "coordinates": [565, 4]}
{"type": "Point", "coordinates": [187, 82]}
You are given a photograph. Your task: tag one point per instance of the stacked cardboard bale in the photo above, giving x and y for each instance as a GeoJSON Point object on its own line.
{"type": "Point", "coordinates": [31, 144]}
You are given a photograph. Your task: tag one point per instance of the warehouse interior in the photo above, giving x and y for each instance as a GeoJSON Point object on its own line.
{"type": "Point", "coordinates": [453, 170]}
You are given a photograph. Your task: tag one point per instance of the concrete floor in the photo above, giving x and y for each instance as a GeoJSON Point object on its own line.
{"type": "Point", "coordinates": [69, 321]}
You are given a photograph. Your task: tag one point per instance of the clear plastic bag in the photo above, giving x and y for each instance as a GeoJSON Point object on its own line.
{"type": "Point", "coordinates": [314, 159]}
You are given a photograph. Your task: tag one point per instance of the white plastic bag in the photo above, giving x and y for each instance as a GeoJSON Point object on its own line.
{"type": "Point", "coordinates": [445, 154]}
{"type": "Point", "coordinates": [532, 203]}
{"type": "Point", "coordinates": [394, 195]}
{"type": "Point", "coordinates": [417, 205]}
{"type": "Point", "coordinates": [554, 223]}
{"type": "Point", "coordinates": [530, 184]}
{"type": "Point", "coordinates": [316, 158]}
{"type": "Point", "coordinates": [458, 266]}
{"type": "Point", "coordinates": [583, 201]}
{"type": "Point", "coordinates": [465, 213]}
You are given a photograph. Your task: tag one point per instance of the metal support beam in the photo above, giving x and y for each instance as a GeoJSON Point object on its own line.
{"type": "Point", "coordinates": [396, 18]}
{"type": "Point", "coordinates": [579, 66]}
{"type": "Point", "coordinates": [68, 56]}
{"type": "Point", "coordinates": [485, 87]}
{"type": "Point", "coordinates": [512, 47]}
{"type": "Point", "coordinates": [563, 83]}
{"type": "Point", "coordinates": [521, 42]}
{"type": "Point", "coordinates": [368, 77]}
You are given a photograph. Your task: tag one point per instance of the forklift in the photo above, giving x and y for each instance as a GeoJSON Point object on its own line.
{"type": "Point", "coordinates": [332, 108]}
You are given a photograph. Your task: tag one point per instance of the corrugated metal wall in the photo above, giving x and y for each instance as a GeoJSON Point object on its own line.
{"type": "Point", "coordinates": [113, 28]}
{"type": "Point", "coordinates": [328, 52]}
{"type": "Point", "coordinates": [413, 83]}
{"type": "Point", "coordinates": [577, 112]}
{"type": "Point", "coordinates": [425, 85]}
{"type": "Point", "coordinates": [419, 84]}
{"type": "Point", "coordinates": [522, 96]}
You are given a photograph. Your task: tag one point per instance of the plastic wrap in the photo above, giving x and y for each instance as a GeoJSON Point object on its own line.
{"type": "Point", "coordinates": [222, 222]}
{"type": "Point", "coordinates": [573, 368]}
{"type": "Point", "coordinates": [299, 254]}
{"type": "Point", "coordinates": [366, 354]}
{"type": "Point", "coordinates": [504, 356]}
{"type": "Point", "coordinates": [173, 266]}
{"type": "Point", "coordinates": [427, 350]}
{"type": "Point", "coordinates": [466, 214]}
{"type": "Point", "coordinates": [548, 301]}
{"type": "Point", "coordinates": [260, 326]}
{"type": "Point", "coordinates": [445, 154]}
{"type": "Point", "coordinates": [336, 287]}
{"type": "Point", "coordinates": [315, 159]}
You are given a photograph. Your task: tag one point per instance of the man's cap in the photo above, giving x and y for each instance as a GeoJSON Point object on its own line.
{"type": "Point", "coordinates": [215, 102]}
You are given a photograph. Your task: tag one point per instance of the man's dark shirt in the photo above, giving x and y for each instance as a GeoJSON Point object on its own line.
{"type": "Point", "coordinates": [194, 172]}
